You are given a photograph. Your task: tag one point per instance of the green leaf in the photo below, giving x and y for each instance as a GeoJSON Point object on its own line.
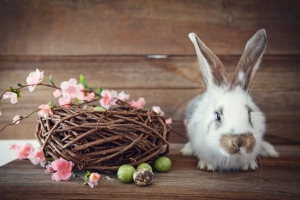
{"type": "Point", "coordinates": [87, 175]}
{"type": "Point", "coordinates": [83, 82]}
{"type": "Point", "coordinates": [19, 84]}
{"type": "Point", "coordinates": [11, 89]}
{"type": "Point", "coordinates": [99, 108]}
{"type": "Point", "coordinates": [99, 90]}
{"type": "Point", "coordinates": [18, 93]}
{"type": "Point", "coordinates": [74, 175]}
{"type": "Point", "coordinates": [50, 80]}
{"type": "Point", "coordinates": [53, 108]}
{"type": "Point", "coordinates": [49, 104]}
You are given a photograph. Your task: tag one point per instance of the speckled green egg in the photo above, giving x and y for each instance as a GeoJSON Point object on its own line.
{"type": "Point", "coordinates": [162, 164]}
{"type": "Point", "coordinates": [144, 165]}
{"type": "Point", "coordinates": [125, 173]}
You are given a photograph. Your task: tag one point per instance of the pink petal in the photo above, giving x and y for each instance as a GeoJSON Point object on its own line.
{"type": "Point", "coordinates": [31, 88]}
{"type": "Point", "coordinates": [158, 110]}
{"type": "Point", "coordinates": [24, 151]}
{"type": "Point", "coordinates": [6, 95]}
{"type": "Point", "coordinates": [37, 157]}
{"type": "Point", "coordinates": [122, 96]}
{"type": "Point", "coordinates": [94, 177]}
{"type": "Point", "coordinates": [90, 96]}
{"type": "Point", "coordinates": [59, 175]}
{"type": "Point", "coordinates": [13, 147]}
{"type": "Point", "coordinates": [57, 93]}
{"type": "Point", "coordinates": [49, 169]}
{"type": "Point", "coordinates": [34, 78]}
{"type": "Point", "coordinates": [169, 121]}
{"type": "Point", "coordinates": [92, 183]}
{"type": "Point", "coordinates": [65, 101]}
{"type": "Point", "coordinates": [55, 177]}
{"type": "Point", "coordinates": [16, 119]}
{"type": "Point", "coordinates": [185, 122]}
{"type": "Point", "coordinates": [72, 81]}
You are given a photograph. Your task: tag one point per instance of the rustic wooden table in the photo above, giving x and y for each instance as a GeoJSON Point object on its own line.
{"type": "Point", "coordinates": [277, 178]}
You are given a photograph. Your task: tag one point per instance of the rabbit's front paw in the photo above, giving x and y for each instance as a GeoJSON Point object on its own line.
{"type": "Point", "coordinates": [205, 166]}
{"type": "Point", "coordinates": [250, 166]}
{"type": "Point", "coordinates": [267, 150]}
{"type": "Point", "coordinates": [187, 149]}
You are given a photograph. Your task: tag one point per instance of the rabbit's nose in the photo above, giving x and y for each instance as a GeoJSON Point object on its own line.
{"type": "Point", "coordinates": [238, 143]}
{"type": "Point", "coordinates": [233, 144]}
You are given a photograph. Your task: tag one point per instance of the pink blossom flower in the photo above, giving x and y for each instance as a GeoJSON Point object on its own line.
{"type": "Point", "coordinates": [169, 121]}
{"type": "Point", "coordinates": [65, 101]}
{"type": "Point", "coordinates": [12, 147]}
{"type": "Point", "coordinates": [92, 183]}
{"type": "Point", "coordinates": [13, 97]}
{"type": "Point", "coordinates": [70, 87]}
{"type": "Point", "coordinates": [82, 95]}
{"type": "Point", "coordinates": [122, 96]}
{"type": "Point", "coordinates": [108, 98]}
{"type": "Point", "coordinates": [158, 110]}
{"type": "Point", "coordinates": [57, 93]}
{"type": "Point", "coordinates": [45, 111]}
{"type": "Point", "coordinates": [63, 169]}
{"type": "Point", "coordinates": [16, 119]}
{"type": "Point", "coordinates": [93, 180]}
{"type": "Point", "coordinates": [138, 104]}
{"type": "Point", "coordinates": [34, 78]}
{"type": "Point", "coordinates": [37, 157]}
{"type": "Point", "coordinates": [49, 169]}
{"type": "Point", "coordinates": [185, 122]}
{"type": "Point", "coordinates": [24, 151]}
{"type": "Point", "coordinates": [90, 96]}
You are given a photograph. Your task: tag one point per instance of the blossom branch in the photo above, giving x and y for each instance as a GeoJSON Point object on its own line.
{"type": "Point", "coordinates": [20, 119]}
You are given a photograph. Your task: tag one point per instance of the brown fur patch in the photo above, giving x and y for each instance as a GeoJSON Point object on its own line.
{"type": "Point", "coordinates": [232, 143]}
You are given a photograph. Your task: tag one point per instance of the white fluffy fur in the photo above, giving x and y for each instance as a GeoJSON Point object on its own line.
{"type": "Point", "coordinates": [204, 135]}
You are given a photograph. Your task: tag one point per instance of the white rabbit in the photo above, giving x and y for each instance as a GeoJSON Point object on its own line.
{"type": "Point", "coordinates": [225, 127]}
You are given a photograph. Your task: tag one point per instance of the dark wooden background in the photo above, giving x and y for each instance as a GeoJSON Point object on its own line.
{"type": "Point", "coordinates": [109, 42]}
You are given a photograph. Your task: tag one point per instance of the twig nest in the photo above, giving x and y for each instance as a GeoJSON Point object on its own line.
{"type": "Point", "coordinates": [103, 140]}
{"type": "Point", "coordinates": [143, 176]}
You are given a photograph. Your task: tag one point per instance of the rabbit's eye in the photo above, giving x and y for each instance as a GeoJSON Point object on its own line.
{"type": "Point", "coordinates": [250, 121]}
{"type": "Point", "coordinates": [218, 117]}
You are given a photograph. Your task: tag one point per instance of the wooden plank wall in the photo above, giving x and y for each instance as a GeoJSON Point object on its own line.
{"type": "Point", "coordinates": [108, 42]}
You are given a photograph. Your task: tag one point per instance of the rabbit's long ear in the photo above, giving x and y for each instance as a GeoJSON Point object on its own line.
{"type": "Point", "coordinates": [250, 60]}
{"type": "Point", "coordinates": [213, 71]}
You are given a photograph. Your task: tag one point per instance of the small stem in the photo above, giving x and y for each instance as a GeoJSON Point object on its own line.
{"type": "Point", "coordinates": [19, 120]}
{"type": "Point", "coordinates": [23, 86]}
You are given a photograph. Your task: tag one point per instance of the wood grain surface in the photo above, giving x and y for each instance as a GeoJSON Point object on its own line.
{"type": "Point", "coordinates": [276, 178]}
{"type": "Point", "coordinates": [170, 83]}
{"type": "Point", "coordinates": [84, 27]}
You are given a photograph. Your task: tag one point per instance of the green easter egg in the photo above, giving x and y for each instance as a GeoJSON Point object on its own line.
{"type": "Point", "coordinates": [99, 108]}
{"type": "Point", "coordinates": [162, 164]}
{"type": "Point", "coordinates": [144, 165]}
{"type": "Point", "coordinates": [125, 173]}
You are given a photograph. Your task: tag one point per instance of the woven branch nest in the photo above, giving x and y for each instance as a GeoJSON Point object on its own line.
{"type": "Point", "coordinates": [103, 140]}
